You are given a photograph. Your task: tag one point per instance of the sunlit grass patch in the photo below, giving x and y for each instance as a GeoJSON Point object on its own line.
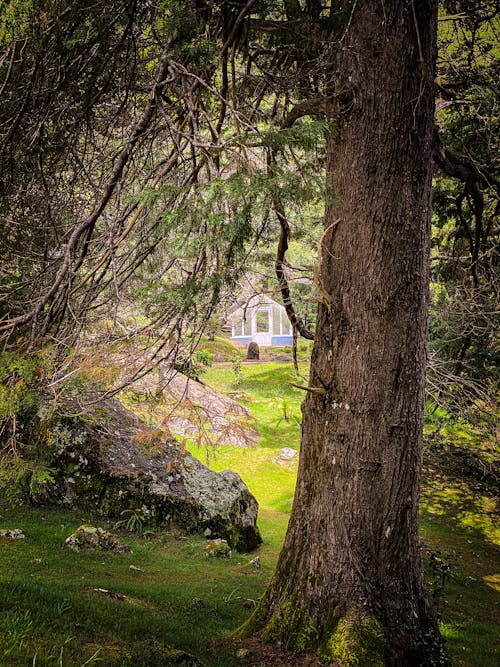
{"type": "Point", "coordinates": [472, 644]}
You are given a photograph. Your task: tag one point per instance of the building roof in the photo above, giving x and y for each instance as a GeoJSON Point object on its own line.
{"type": "Point", "coordinates": [255, 301]}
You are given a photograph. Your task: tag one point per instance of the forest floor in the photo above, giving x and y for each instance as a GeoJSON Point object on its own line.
{"type": "Point", "coordinates": [60, 608]}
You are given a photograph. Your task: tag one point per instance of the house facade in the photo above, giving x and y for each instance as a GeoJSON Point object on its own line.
{"type": "Point", "coordinates": [261, 320]}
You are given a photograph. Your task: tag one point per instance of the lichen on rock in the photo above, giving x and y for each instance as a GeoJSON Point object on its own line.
{"type": "Point", "coordinates": [92, 538]}
{"type": "Point", "coordinates": [101, 463]}
{"type": "Point", "coordinates": [12, 533]}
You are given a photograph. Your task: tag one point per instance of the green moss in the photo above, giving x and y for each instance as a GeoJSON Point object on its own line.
{"type": "Point", "coordinates": [251, 626]}
{"type": "Point", "coordinates": [287, 623]}
{"type": "Point", "coordinates": [357, 640]}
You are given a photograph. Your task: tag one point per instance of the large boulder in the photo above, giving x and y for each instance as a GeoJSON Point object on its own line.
{"type": "Point", "coordinates": [191, 407]}
{"type": "Point", "coordinates": [185, 406]}
{"type": "Point", "coordinates": [112, 462]}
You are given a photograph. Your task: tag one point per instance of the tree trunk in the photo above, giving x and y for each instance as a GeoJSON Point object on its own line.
{"type": "Point", "coordinates": [349, 581]}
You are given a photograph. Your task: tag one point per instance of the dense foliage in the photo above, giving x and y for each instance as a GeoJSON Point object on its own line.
{"type": "Point", "coordinates": [153, 154]}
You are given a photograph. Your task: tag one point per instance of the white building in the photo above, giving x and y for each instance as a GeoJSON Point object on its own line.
{"type": "Point", "coordinates": [262, 320]}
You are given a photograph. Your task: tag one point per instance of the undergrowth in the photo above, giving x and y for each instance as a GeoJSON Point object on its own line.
{"type": "Point", "coordinates": [60, 607]}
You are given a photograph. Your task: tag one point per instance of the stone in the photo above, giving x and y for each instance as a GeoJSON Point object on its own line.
{"type": "Point", "coordinates": [110, 594]}
{"type": "Point", "coordinates": [282, 357]}
{"type": "Point", "coordinates": [188, 407]}
{"type": "Point", "coordinates": [219, 423]}
{"type": "Point", "coordinates": [218, 549]}
{"type": "Point", "coordinates": [287, 453]}
{"type": "Point", "coordinates": [13, 534]}
{"type": "Point", "coordinates": [205, 408]}
{"type": "Point", "coordinates": [253, 351]}
{"type": "Point", "coordinates": [112, 470]}
{"type": "Point", "coordinates": [92, 538]}
{"type": "Point", "coordinates": [181, 425]}
{"type": "Point", "coordinates": [242, 653]}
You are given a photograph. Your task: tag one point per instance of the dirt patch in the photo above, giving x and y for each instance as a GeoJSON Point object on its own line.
{"type": "Point", "coordinates": [254, 652]}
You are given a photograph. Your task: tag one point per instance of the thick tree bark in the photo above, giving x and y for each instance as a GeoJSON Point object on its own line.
{"type": "Point", "coordinates": [349, 581]}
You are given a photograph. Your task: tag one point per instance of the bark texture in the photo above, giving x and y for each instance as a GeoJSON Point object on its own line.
{"type": "Point", "coordinates": [349, 580]}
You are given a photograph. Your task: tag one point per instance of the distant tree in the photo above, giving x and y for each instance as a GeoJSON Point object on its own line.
{"type": "Point", "coordinates": [466, 206]}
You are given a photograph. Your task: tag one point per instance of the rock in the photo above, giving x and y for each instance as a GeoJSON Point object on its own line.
{"type": "Point", "coordinates": [203, 407]}
{"type": "Point", "coordinates": [218, 549]}
{"type": "Point", "coordinates": [219, 423]}
{"type": "Point", "coordinates": [105, 466]}
{"type": "Point", "coordinates": [181, 425]}
{"type": "Point", "coordinates": [198, 602]}
{"type": "Point", "coordinates": [219, 358]}
{"type": "Point", "coordinates": [287, 453]}
{"type": "Point", "coordinates": [13, 534]}
{"type": "Point", "coordinates": [282, 357]}
{"type": "Point", "coordinates": [91, 538]}
{"type": "Point", "coordinates": [110, 594]}
{"type": "Point", "coordinates": [188, 407]}
{"type": "Point", "coordinates": [242, 653]}
{"type": "Point", "coordinates": [253, 351]}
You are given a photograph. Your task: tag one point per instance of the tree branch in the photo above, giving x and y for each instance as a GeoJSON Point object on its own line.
{"type": "Point", "coordinates": [313, 107]}
{"type": "Point", "coordinates": [88, 224]}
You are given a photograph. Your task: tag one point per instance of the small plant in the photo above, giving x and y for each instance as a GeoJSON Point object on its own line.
{"type": "Point", "coordinates": [18, 627]}
{"type": "Point", "coordinates": [441, 567]}
{"type": "Point", "coordinates": [22, 480]}
{"type": "Point", "coordinates": [203, 357]}
{"type": "Point", "coordinates": [41, 478]}
{"type": "Point", "coordinates": [63, 607]}
{"type": "Point", "coordinates": [14, 477]}
{"type": "Point", "coordinates": [427, 648]}
{"type": "Point", "coordinates": [236, 368]}
{"type": "Point", "coordinates": [282, 405]}
{"type": "Point", "coordinates": [135, 521]}
{"type": "Point", "coordinates": [194, 365]}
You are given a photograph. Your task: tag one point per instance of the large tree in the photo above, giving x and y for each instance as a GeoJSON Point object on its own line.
{"type": "Point", "coordinates": [349, 580]}
{"type": "Point", "coordinates": [172, 151]}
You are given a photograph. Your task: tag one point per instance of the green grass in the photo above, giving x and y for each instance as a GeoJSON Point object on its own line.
{"type": "Point", "coordinates": [48, 603]}
{"type": "Point", "coordinates": [49, 608]}
{"type": "Point", "coordinates": [220, 344]}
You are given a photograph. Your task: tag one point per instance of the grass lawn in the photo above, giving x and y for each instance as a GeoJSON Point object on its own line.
{"type": "Point", "coordinates": [53, 613]}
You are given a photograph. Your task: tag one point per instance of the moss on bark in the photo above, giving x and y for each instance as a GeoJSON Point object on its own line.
{"type": "Point", "coordinates": [356, 641]}
{"type": "Point", "coordinates": [288, 623]}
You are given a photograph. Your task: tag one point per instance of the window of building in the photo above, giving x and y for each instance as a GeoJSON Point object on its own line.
{"type": "Point", "coordinates": [262, 321]}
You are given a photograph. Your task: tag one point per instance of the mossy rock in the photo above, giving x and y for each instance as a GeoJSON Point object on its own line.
{"type": "Point", "coordinates": [218, 549]}
{"type": "Point", "coordinates": [92, 538]}
{"type": "Point", "coordinates": [103, 465]}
